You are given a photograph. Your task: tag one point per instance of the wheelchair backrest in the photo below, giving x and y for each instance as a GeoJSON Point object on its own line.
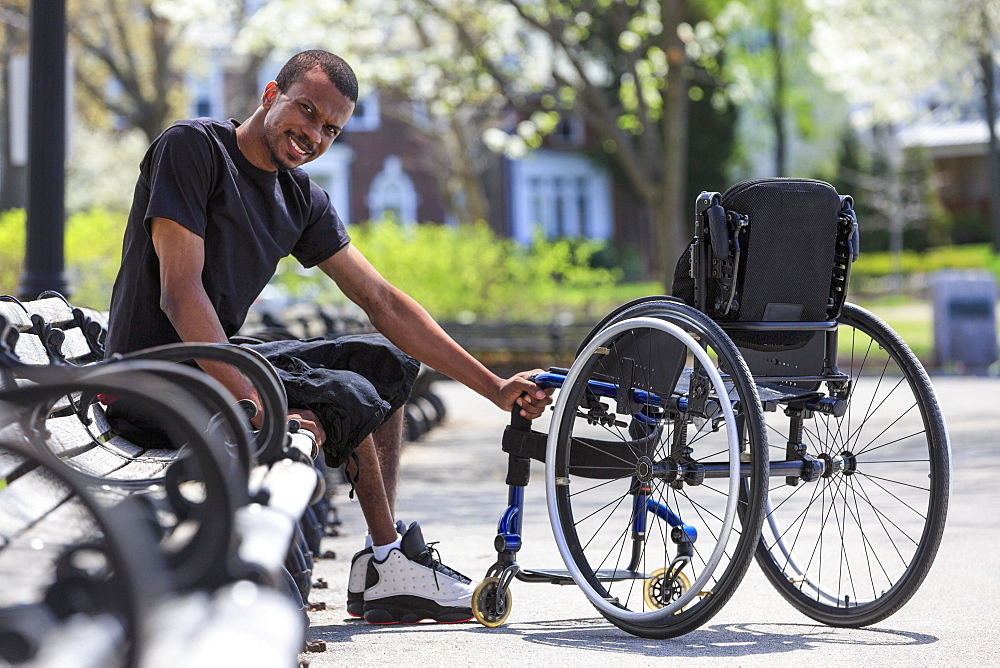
{"type": "Point", "coordinates": [770, 261]}
{"type": "Point", "coordinates": [770, 251]}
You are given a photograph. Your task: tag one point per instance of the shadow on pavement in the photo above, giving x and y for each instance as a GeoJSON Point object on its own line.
{"type": "Point", "coordinates": [596, 635]}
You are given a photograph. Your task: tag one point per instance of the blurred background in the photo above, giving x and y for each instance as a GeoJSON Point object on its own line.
{"type": "Point", "coordinates": [537, 162]}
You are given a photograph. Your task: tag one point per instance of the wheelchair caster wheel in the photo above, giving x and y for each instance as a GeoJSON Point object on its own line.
{"type": "Point", "coordinates": [490, 607]}
{"type": "Point", "coordinates": [659, 592]}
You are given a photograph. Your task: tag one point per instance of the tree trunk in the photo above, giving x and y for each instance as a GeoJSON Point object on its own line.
{"type": "Point", "coordinates": [668, 215]}
{"type": "Point", "coordinates": [993, 150]}
{"type": "Point", "coordinates": [246, 91]}
{"type": "Point", "coordinates": [778, 100]}
{"type": "Point", "coordinates": [465, 180]}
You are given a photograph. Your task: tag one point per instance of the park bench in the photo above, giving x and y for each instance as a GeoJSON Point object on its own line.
{"type": "Point", "coordinates": [153, 556]}
{"type": "Point", "coordinates": [508, 347]}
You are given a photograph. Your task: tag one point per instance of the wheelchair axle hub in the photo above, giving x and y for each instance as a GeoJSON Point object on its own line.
{"type": "Point", "coordinates": [845, 463]}
{"type": "Point", "coordinates": [644, 469]}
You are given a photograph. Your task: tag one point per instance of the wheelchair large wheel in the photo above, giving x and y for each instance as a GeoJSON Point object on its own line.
{"type": "Point", "coordinates": [656, 420]}
{"type": "Point", "coordinates": [852, 547]}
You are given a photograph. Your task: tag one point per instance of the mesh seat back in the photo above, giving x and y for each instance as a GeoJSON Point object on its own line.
{"type": "Point", "coordinates": [788, 256]}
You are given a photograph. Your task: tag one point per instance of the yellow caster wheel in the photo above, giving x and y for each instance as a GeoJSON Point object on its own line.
{"type": "Point", "coordinates": [659, 593]}
{"type": "Point", "coordinates": [488, 605]}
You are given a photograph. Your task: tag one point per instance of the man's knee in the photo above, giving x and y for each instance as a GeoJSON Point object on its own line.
{"type": "Point", "coordinates": [390, 432]}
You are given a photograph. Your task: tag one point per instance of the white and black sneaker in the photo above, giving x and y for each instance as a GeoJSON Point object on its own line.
{"type": "Point", "coordinates": [412, 585]}
{"type": "Point", "coordinates": [359, 572]}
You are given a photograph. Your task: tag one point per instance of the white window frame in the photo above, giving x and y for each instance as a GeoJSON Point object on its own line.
{"type": "Point", "coordinates": [548, 188]}
{"type": "Point", "coordinates": [332, 172]}
{"type": "Point", "coordinates": [367, 116]}
{"type": "Point", "coordinates": [392, 177]}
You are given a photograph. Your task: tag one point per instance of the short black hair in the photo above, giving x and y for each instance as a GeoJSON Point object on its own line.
{"type": "Point", "coordinates": [336, 68]}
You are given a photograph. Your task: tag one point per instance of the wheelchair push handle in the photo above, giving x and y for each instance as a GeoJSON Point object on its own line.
{"type": "Point", "coordinates": [552, 378]}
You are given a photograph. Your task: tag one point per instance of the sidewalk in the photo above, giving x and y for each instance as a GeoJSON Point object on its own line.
{"type": "Point", "coordinates": [453, 484]}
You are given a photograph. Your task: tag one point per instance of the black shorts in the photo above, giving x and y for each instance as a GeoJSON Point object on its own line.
{"type": "Point", "coordinates": [353, 383]}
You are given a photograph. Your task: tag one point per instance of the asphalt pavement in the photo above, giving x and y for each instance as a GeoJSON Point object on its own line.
{"type": "Point", "coordinates": [453, 484]}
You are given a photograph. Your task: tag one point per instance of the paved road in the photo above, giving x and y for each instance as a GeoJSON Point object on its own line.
{"type": "Point", "coordinates": [453, 484]}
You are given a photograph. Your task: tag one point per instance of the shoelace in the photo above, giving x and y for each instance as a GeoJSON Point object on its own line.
{"type": "Point", "coordinates": [432, 559]}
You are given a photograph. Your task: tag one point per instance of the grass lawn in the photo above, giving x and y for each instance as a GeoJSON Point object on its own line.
{"type": "Point", "coordinates": [913, 320]}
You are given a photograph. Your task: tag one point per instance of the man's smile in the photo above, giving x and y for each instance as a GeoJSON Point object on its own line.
{"type": "Point", "coordinates": [304, 150]}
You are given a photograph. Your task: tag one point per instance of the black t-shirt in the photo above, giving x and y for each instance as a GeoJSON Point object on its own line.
{"type": "Point", "coordinates": [195, 175]}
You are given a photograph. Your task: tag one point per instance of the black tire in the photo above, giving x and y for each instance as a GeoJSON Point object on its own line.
{"type": "Point", "coordinates": [850, 549]}
{"type": "Point", "coordinates": [591, 511]}
{"type": "Point", "coordinates": [438, 407]}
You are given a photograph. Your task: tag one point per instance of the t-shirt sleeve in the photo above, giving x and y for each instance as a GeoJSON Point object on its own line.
{"type": "Point", "coordinates": [325, 233]}
{"type": "Point", "coordinates": [181, 175]}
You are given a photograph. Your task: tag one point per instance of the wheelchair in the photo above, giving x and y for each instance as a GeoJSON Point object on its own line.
{"type": "Point", "coordinates": [755, 414]}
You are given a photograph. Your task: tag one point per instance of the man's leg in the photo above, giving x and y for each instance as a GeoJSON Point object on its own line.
{"type": "Point", "coordinates": [377, 509]}
{"type": "Point", "coordinates": [404, 583]}
{"type": "Point", "coordinates": [371, 492]}
{"type": "Point", "coordinates": [388, 445]}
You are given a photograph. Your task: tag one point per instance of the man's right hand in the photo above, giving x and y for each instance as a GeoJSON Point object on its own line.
{"type": "Point", "coordinates": [310, 422]}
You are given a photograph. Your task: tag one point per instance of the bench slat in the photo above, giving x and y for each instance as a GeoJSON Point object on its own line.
{"type": "Point", "coordinates": [28, 557]}
{"type": "Point", "coordinates": [27, 499]}
{"type": "Point", "coordinates": [55, 311]}
{"type": "Point", "coordinates": [30, 349]}
{"type": "Point", "coordinates": [76, 348]}
{"type": "Point", "coordinates": [15, 315]}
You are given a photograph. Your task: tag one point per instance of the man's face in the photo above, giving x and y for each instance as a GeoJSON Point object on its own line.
{"type": "Point", "coordinates": [303, 121]}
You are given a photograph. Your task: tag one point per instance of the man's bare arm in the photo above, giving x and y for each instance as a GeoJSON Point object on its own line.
{"type": "Point", "coordinates": [404, 322]}
{"type": "Point", "coordinates": [183, 299]}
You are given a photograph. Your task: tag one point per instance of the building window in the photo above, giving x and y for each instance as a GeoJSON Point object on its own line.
{"type": "Point", "coordinates": [568, 132]}
{"type": "Point", "coordinates": [202, 107]}
{"type": "Point", "coordinates": [392, 193]}
{"type": "Point", "coordinates": [562, 194]}
{"type": "Point", "coordinates": [209, 95]}
{"type": "Point", "coordinates": [367, 116]}
{"type": "Point", "coordinates": [332, 173]}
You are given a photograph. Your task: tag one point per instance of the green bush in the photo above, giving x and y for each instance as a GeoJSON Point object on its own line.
{"type": "Point", "coordinates": [878, 265]}
{"type": "Point", "coordinates": [11, 249]}
{"type": "Point", "coordinates": [93, 254]}
{"type": "Point", "coordinates": [972, 228]}
{"type": "Point", "coordinates": [467, 271]}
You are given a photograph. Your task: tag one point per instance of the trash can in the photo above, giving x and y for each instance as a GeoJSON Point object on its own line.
{"type": "Point", "coordinates": [965, 331]}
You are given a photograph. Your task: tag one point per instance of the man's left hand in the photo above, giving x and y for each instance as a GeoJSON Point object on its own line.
{"type": "Point", "coordinates": [530, 397]}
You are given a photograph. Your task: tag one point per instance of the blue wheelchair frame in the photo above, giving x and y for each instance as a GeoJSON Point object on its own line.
{"type": "Point", "coordinates": [508, 541]}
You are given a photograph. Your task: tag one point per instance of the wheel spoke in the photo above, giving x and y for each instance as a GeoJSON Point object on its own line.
{"type": "Point", "coordinates": [595, 521]}
{"type": "Point", "coordinates": [854, 549]}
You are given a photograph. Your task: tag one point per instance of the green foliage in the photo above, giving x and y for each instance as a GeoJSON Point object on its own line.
{"type": "Point", "coordinates": [12, 236]}
{"type": "Point", "coordinates": [971, 228]}
{"type": "Point", "coordinates": [93, 254]}
{"type": "Point", "coordinates": [879, 265]}
{"type": "Point", "coordinates": [455, 272]}
{"type": "Point", "coordinates": [467, 271]}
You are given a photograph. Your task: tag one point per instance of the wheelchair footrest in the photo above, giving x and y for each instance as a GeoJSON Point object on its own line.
{"type": "Point", "coordinates": [561, 576]}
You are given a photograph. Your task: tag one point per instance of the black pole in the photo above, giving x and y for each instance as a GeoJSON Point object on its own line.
{"type": "Point", "coordinates": [43, 262]}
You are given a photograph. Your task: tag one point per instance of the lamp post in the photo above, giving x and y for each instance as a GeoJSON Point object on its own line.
{"type": "Point", "coordinates": [44, 262]}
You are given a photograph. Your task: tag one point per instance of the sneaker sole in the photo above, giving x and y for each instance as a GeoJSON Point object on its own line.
{"type": "Point", "coordinates": [418, 611]}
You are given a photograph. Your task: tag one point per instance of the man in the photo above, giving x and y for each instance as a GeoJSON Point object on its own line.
{"type": "Point", "coordinates": [215, 207]}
